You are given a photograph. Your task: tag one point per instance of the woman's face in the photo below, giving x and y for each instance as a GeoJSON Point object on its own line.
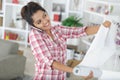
{"type": "Point", "coordinates": [41, 20]}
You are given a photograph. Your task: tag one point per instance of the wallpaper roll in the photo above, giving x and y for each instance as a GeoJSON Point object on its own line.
{"type": "Point", "coordinates": [102, 47]}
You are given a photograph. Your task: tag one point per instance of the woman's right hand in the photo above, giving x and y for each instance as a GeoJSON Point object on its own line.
{"type": "Point", "coordinates": [90, 76]}
{"type": "Point", "coordinates": [107, 24]}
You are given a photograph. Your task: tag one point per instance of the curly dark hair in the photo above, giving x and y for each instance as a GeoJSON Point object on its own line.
{"type": "Point", "coordinates": [28, 10]}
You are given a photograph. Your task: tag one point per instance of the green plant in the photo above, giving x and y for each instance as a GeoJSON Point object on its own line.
{"type": "Point", "coordinates": [72, 21]}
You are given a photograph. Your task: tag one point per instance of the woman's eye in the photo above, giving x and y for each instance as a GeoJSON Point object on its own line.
{"type": "Point", "coordinates": [39, 22]}
{"type": "Point", "coordinates": [45, 15]}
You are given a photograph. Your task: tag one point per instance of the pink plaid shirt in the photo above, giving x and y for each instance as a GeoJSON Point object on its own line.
{"type": "Point", "coordinates": [46, 50]}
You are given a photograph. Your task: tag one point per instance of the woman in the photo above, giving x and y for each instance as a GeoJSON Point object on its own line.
{"type": "Point", "coordinates": [48, 43]}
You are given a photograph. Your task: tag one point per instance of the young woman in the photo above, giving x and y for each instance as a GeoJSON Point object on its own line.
{"type": "Point", "coordinates": [48, 43]}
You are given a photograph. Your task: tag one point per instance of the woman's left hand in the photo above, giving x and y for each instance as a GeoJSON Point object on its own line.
{"type": "Point", "coordinates": [90, 76]}
{"type": "Point", "coordinates": [107, 24]}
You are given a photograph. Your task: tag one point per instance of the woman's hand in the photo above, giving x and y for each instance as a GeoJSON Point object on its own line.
{"type": "Point", "coordinates": [94, 29]}
{"type": "Point", "coordinates": [107, 24]}
{"type": "Point", "coordinates": [90, 76]}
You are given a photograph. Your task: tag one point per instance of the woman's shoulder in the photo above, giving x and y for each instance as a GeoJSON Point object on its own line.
{"type": "Point", "coordinates": [57, 27]}
{"type": "Point", "coordinates": [35, 32]}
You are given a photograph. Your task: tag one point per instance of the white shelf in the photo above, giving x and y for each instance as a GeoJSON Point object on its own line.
{"type": "Point", "coordinates": [20, 42]}
{"type": "Point", "coordinates": [77, 12]}
{"type": "Point", "coordinates": [1, 11]}
{"type": "Point", "coordinates": [105, 2]}
{"type": "Point", "coordinates": [95, 13]}
{"type": "Point", "coordinates": [102, 3]}
{"type": "Point", "coordinates": [15, 29]}
{"type": "Point", "coordinates": [88, 39]}
{"type": "Point", "coordinates": [55, 23]}
{"type": "Point", "coordinates": [86, 42]}
{"type": "Point", "coordinates": [13, 4]}
{"type": "Point", "coordinates": [1, 15]}
{"type": "Point", "coordinates": [11, 12]}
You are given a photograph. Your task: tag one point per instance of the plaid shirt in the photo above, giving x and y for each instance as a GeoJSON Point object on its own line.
{"type": "Point", "coordinates": [46, 50]}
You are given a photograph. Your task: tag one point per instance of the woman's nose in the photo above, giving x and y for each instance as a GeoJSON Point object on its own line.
{"type": "Point", "coordinates": [44, 21]}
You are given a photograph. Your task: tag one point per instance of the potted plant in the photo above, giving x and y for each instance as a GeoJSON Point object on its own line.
{"type": "Point", "coordinates": [72, 21]}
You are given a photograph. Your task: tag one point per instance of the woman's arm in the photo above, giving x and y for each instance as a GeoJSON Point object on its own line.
{"type": "Point", "coordinates": [93, 29]}
{"type": "Point", "coordinates": [61, 67]}
{"type": "Point", "coordinates": [65, 68]}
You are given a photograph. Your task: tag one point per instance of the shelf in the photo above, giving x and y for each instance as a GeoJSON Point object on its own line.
{"type": "Point", "coordinates": [102, 8]}
{"type": "Point", "coordinates": [15, 29]}
{"type": "Point", "coordinates": [55, 23]}
{"type": "Point", "coordinates": [86, 42]}
{"type": "Point", "coordinates": [77, 12]}
{"type": "Point", "coordinates": [105, 2]}
{"type": "Point", "coordinates": [1, 15]}
{"type": "Point", "coordinates": [63, 13]}
{"type": "Point", "coordinates": [1, 12]}
{"type": "Point", "coordinates": [95, 13]}
{"type": "Point", "coordinates": [13, 4]}
{"type": "Point", "coordinates": [19, 37]}
{"type": "Point", "coordinates": [20, 42]}
{"type": "Point", "coordinates": [88, 39]}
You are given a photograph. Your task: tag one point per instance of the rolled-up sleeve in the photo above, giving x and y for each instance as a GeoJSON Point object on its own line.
{"type": "Point", "coordinates": [72, 32]}
{"type": "Point", "coordinates": [39, 49]}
